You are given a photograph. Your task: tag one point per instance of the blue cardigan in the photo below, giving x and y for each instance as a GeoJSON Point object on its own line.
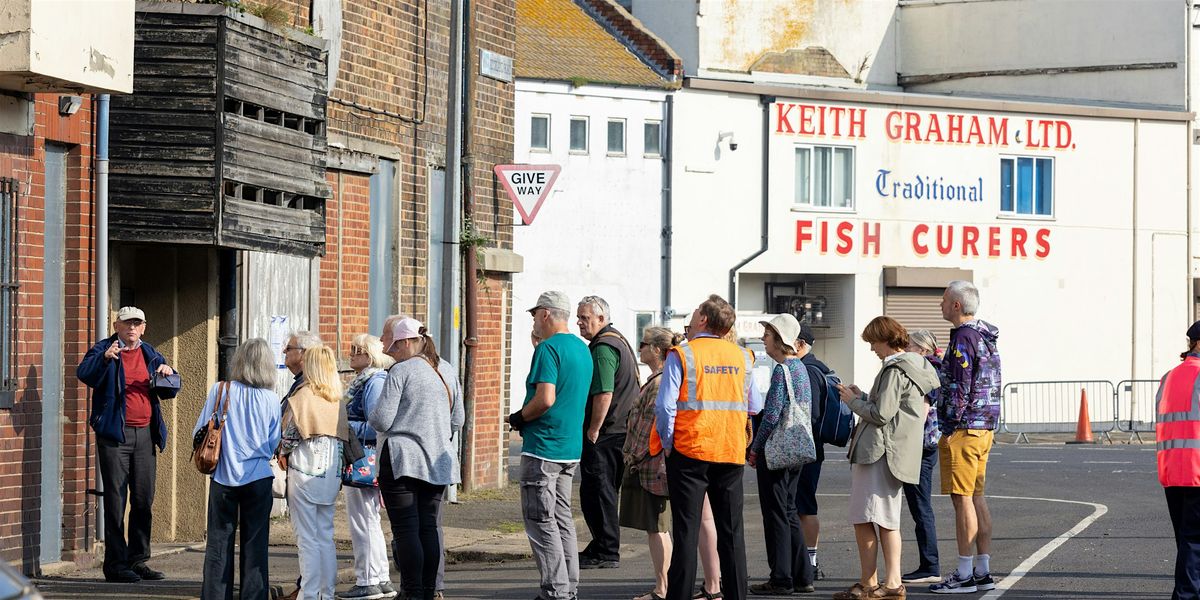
{"type": "Point", "coordinates": [107, 380]}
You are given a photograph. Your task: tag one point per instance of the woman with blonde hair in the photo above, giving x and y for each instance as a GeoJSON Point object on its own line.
{"type": "Point", "coordinates": [372, 577]}
{"type": "Point", "coordinates": [417, 420]}
{"type": "Point", "coordinates": [885, 453]}
{"type": "Point", "coordinates": [315, 426]}
{"type": "Point", "coordinates": [920, 505]}
{"type": "Point", "coordinates": [644, 502]}
{"type": "Point", "coordinates": [240, 492]}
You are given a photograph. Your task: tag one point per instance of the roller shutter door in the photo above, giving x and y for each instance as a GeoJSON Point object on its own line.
{"type": "Point", "coordinates": [918, 308]}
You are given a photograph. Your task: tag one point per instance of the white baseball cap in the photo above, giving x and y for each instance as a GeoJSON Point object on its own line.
{"type": "Point", "coordinates": [130, 313]}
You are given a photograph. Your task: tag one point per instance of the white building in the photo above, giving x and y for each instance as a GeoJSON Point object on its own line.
{"type": "Point", "coordinates": [595, 104]}
{"type": "Point", "coordinates": [1048, 162]}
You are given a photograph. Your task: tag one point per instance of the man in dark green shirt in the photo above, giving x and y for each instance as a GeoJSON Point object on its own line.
{"type": "Point", "coordinates": [613, 393]}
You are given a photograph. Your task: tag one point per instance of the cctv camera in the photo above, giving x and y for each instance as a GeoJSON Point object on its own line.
{"type": "Point", "coordinates": [732, 145]}
{"type": "Point", "coordinates": [727, 135]}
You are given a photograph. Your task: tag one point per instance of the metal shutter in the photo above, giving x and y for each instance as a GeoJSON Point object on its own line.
{"type": "Point", "coordinates": [918, 308]}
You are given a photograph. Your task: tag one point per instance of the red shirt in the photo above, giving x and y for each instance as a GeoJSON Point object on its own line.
{"type": "Point", "coordinates": [137, 388]}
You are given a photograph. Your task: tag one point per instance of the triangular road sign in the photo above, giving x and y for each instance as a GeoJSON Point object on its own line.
{"type": "Point", "coordinates": [527, 185]}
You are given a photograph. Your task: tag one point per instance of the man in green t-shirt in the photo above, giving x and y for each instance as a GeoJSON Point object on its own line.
{"type": "Point", "coordinates": [551, 425]}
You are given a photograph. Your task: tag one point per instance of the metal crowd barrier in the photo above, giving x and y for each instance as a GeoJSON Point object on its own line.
{"type": "Point", "coordinates": [1137, 406]}
{"type": "Point", "coordinates": [1053, 407]}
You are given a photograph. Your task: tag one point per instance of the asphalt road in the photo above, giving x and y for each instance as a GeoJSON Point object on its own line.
{"type": "Point", "coordinates": [1084, 522]}
{"type": "Point", "coordinates": [1105, 498]}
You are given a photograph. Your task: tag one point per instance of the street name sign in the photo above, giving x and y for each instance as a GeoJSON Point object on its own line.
{"type": "Point", "coordinates": [528, 186]}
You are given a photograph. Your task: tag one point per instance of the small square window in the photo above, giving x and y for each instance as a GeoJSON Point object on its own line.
{"type": "Point", "coordinates": [579, 134]}
{"type": "Point", "coordinates": [616, 136]}
{"type": "Point", "coordinates": [652, 131]}
{"type": "Point", "coordinates": [824, 177]}
{"type": "Point", "coordinates": [1027, 186]}
{"type": "Point", "coordinates": [539, 132]}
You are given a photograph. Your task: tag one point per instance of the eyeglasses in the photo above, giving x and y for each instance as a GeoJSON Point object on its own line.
{"type": "Point", "coordinates": [290, 348]}
{"type": "Point", "coordinates": [643, 345]}
{"type": "Point", "coordinates": [357, 351]}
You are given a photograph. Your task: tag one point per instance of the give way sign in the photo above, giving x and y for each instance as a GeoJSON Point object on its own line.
{"type": "Point", "coordinates": [528, 186]}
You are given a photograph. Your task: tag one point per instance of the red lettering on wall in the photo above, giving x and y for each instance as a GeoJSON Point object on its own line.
{"type": "Point", "coordinates": [974, 131]}
{"type": "Point", "coordinates": [891, 123]}
{"type": "Point", "coordinates": [824, 237]}
{"type": "Point", "coordinates": [954, 130]}
{"type": "Point", "coordinates": [970, 236]}
{"type": "Point", "coordinates": [994, 242]}
{"type": "Point", "coordinates": [1043, 243]}
{"type": "Point", "coordinates": [803, 234]}
{"type": "Point", "coordinates": [918, 239]}
{"type": "Point", "coordinates": [912, 123]}
{"type": "Point", "coordinates": [998, 130]}
{"type": "Point", "coordinates": [858, 122]}
{"type": "Point", "coordinates": [870, 240]}
{"type": "Point", "coordinates": [782, 124]}
{"type": "Point", "coordinates": [806, 124]}
{"type": "Point", "coordinates": [1018, 241]}
{"type": "Point", "coordinates": [1062, 135]}
{"type": "Point", "coordinates": [945, 244]}
{"type": "Point", "coordinates": [821, 120]}
{"type": "Point", "coordinates": [837, 112]}
{"type": "Point", "coordinates": [845, 242]}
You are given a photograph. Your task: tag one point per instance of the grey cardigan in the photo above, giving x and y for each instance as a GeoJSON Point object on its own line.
{"type": "Point", "coordinates": [419, 423]}
{"type": "Point", "coordinates": [892, 423]}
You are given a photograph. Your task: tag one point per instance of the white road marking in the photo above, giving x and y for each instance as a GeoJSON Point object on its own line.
{"type": "Point", "coordinates": [1048, 462]}
{"type": "Point", "coordinates": [1108, 462]}
{"type": "Point", "coordinates": [1028, 564]}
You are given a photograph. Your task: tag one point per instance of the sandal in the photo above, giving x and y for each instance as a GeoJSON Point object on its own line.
{"type": "Point", "coordinates": [855, 592]}
{"type": "Point", "coordinates": [650, 595]}
{"type": "Point", "coordinates": [704, 595]}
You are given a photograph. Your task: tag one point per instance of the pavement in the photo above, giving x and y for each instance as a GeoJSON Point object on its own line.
{"type": "Point", "coordinates": [1040, 493]}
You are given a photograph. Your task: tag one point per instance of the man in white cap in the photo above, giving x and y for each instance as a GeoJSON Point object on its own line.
{"type": "Point", "coordinates": [551, 425]}
{"type": "Point", "coordinates": [128, 424]}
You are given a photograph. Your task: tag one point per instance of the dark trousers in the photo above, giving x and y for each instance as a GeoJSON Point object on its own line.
{"type": "Point", "coordinates": [600, 468]}
{"type": "Point", "coordinates": [688, 480]}
{"type": "Point", "coordinates": [412, 507]}
{"type": "Point", "coordinates": [248, 507]}
{"type": "Point", "coordinates": [786, 554]}
{"type": "Point", "coordinates": [1183, 503]}
{"type": "Point", "coordinates": [921, 508]}
{"type": "Point", "coordinates": [128, 471]}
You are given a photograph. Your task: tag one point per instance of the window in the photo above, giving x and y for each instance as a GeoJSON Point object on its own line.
{"type": "Point", "coordinates": [1027, 185]}
{"type": "Point", "coordinates": [579, 134]}
{"type": "Point", "coordinates": [653, 134]}
{"type": "Point", "coordinates": [644, 320]}
{"type": "Point", "coordinates": [539, 132]}
{"type": "Point", "coordinates": [616, 136]}
{"type": "Point", "coordinates": [381, 288]}
{"type": "Point", "coordinates": [825, 176]}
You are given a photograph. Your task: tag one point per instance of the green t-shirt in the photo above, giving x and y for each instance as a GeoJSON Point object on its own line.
{"type": "Point", "coordinates": [558, 434]}
{"type": "Point", "coordinates": [604, 377]}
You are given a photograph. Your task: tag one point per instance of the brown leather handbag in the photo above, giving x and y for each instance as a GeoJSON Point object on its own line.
{"type": "Point", "coordinates": [207, 452]}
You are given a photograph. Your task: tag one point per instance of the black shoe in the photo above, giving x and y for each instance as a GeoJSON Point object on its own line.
{"type": "Point", "coordinates": [767, 588]}
{"type": "Point", "coordinates": [147, 573]}
{"type": "Point", "coordinates": [804, 589]}
{"type": "Point", "coordinates": [122, 576]}
{"type": "Point", "coordinates": [588, 562]}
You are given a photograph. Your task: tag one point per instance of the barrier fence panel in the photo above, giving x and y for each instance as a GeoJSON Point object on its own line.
{"type": "Point", "coordinates": [1136, 406]}
{"type": "Point", "coordinates": [1053, 407]}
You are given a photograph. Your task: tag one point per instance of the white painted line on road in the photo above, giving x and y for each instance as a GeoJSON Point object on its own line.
{"type": "Point", "coordinates": [1108, 462]}
{"type": "Point", "coordinates": [1028, 564]}
{"type": "Point", "coordinates": [1048, 462]}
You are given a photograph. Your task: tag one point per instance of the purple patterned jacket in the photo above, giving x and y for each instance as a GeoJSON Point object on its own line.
{"type": "Point", "coordinates": [970, 374]}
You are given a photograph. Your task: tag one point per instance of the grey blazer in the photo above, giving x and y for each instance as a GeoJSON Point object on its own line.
{"type": "Point", "coordinates": [892, 417]}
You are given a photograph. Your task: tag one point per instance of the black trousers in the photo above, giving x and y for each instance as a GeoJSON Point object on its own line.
{"type": "Point", "coordinates": [247, 507]}
{"type": "Point", "coordinates": [601, 467]}
{"type": "Point", "coordinates": [413, 508]}
{"type": "Point", "coordinates": [1183, 503]}
{"type": "Point", "coordinates": [786, 553]}
{"type": "Point", "coordinates": [688, 480]}
{"type": "Point", "coordinates": [128, 472]}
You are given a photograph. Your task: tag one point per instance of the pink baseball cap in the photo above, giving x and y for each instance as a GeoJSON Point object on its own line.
{"type": "Point", "coordinates": [406, 328]}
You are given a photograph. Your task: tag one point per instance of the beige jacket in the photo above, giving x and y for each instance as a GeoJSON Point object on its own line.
{"type": "Point", "coordinates": [892, 416]}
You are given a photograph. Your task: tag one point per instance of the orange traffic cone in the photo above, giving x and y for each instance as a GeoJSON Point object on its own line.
{"type": "Point", "coordinates": [1083, 430]}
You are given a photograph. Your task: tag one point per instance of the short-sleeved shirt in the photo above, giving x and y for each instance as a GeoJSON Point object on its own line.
{"type": "Point", "coordinates": [557, 435]}
{"type": "Point", "coordinates": [137, 388]}
{"type": "Point", "coordinates": [605, 361]}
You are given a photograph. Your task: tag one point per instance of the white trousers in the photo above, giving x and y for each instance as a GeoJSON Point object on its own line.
{"type": "Point", "coordinates": [370, 550]}
{"type": "Point", "coordinates": [318, 556]}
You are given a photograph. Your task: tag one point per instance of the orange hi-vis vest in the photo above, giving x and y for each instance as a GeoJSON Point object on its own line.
{"type": "Point", "coordinates": [710, 416]}
{"type": "Point", "coordinates": [1177, 426]}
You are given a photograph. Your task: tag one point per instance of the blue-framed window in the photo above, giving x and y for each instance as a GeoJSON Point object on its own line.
{"type": "Point", "coordinates": [1027, 185]}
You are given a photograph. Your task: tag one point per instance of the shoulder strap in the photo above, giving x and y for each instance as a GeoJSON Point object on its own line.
{"type": "Point", "coordinates": [224, 391]}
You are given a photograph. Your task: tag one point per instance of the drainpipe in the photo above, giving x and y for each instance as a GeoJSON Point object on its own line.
{"type": "Point", "coordinates": [1189, 30]}
{"type": "Point", "coordinates": [471, 271]}
{"type": "Point", "coordinates": [451, 265]}
{"type": "Point", "coordinates": [101, 271]}
{"type": "Point", "coordinates": [668, 122]}
{"type": "Point", "coordinates": [228, 305]}
{"type": "Point", "coordinates": [1133, 331]}
{"type": "Point", "coordinates": [766, 102]}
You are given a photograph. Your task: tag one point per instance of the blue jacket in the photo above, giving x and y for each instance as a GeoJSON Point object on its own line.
{"type": "Point", "coordinates": [107, 380]}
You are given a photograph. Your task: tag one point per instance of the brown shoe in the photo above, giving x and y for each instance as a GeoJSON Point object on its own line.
{"type": "Point", "coordinates": [855, 592]}
{"type": "Point", "coordinates": [896, 593]}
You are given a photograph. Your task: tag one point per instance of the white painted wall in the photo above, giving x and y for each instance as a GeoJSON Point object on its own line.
{"type": "Point", "coordinates": [1046, 308]}
{"type": "Point", "coordinates": [986, 35]}
{"type": "Point", "coordinates": [598, 232]}
{"type": "Point", "coordinates": [67, 45]}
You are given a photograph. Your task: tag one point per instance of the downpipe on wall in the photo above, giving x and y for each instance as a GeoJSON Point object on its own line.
{"type": "Point", "coordinates": [766, 102]}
